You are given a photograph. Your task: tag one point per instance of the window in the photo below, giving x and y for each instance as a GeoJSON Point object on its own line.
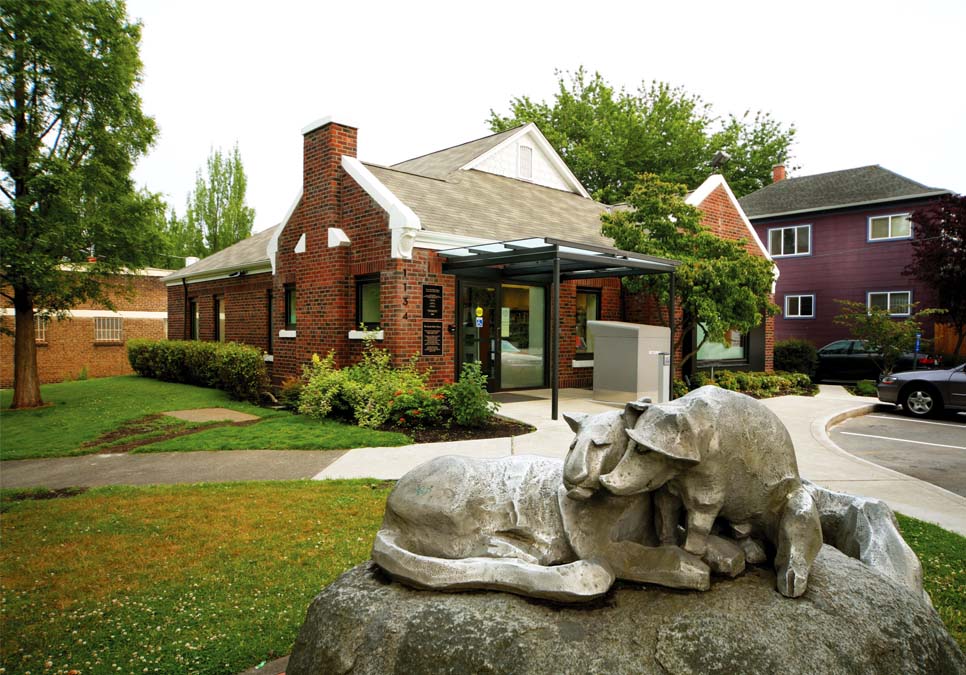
{"type": "Point", "coordinates": [890, 227]}
{"type": "Point", "coordinates": [40, 328]}
{"type": "Point", "coordinates": [290, 307]}
{"type": "Point", "coordinates": [837, 347]}
{"type": "Point", "coordinates": [193, 320]}
{"type": "Point", "coordinates": [219, 318]}
{"type": "Point", "coordinates": [108, 329]}
{"type": "Point", "coordinates": [735, 347]}
{"type": "Point", "coordinates": [799, 306]}
{"type": "Point", "coordinates": [368, 309]}
{"type": "Point", "coordinates": [271, 342]}
{"type": "Point", "coordinates": [588, 309]}
{"type": "Point", "coordinates": [795, 240]}
{"type": "Point", "coordinates": [526, 162]}
{"type": "Point", "coordinates": [896, 303]}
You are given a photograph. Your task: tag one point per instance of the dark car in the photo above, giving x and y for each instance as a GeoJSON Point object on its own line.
{"type": "Point", "coordinates": [922, 393]}
{"type": "Point", "coordinates": [851, 361]}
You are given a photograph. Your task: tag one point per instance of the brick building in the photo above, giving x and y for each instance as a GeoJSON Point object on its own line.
{"type": "Point", "coordinates": [412, 253]}
{"type": "Point", "coordinates": [91, 339]}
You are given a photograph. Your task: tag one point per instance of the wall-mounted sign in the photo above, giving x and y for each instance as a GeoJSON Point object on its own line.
{"type": "Point", "coordinates": [479, 322]}
{"type": "Point", "coordinates": [432, 302]}
{"type": "Point", "coordinates": [504, 322]}
{"type": "Point", "coordinates": [432, 338]}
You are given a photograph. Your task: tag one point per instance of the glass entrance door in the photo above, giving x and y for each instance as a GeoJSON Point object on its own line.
{"type": "Point", "coordinates": [479, 332]}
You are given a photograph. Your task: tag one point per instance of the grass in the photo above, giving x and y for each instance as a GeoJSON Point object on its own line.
{"type": "Point", "coordinates": [174, 579]}
{"type": "Point", "coordinates": [85, 417]}
{"type": "Point", "coordinates": [943, 557]}
{"type": "Point", "coordinates": [216, 578]}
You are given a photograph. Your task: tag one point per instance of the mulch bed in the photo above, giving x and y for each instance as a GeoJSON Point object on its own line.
{"type": "Point", "coordinates": [499, 427]}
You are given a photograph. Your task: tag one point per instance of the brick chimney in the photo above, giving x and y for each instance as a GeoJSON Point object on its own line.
{"type": "Point", "coordinates": [778, 173]}
{"type": "Point", "coordinates": [323, 144]}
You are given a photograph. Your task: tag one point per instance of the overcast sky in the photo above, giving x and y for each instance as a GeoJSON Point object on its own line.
{"type": "Point", "coordinates": [864, 82]}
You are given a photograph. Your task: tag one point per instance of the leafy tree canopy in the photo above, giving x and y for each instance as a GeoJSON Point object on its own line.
{"type": "Point", "coordinates": [216, 215]}
{"type": "Point", "coordinates": [608, 137]}
{"type": "Point", "coordinates": [71, 128]}
{"type": "Point", "coordinates": [939, 258]}
{"type": "Point", "coordinates": [719, 285]}
{"type": "Point", "coordinates": [883, 334]}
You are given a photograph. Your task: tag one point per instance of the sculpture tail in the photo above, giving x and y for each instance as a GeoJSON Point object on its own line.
{"type": "Point", "coordinates": [578, 581]}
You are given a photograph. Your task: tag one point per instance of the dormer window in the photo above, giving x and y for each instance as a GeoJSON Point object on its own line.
{"type": "Point", "coordinates": [526, 162]}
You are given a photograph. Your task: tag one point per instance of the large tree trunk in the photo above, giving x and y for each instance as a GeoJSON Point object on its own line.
{"type": "Point", "coordinates": [26, 385]}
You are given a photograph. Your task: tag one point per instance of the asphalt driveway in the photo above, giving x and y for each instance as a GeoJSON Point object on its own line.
{"type": "Point", "coordinates": [932, 450]}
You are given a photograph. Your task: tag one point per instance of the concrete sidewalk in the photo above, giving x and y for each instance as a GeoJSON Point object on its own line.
{"type": "Point", "coordinates": [806, 418]}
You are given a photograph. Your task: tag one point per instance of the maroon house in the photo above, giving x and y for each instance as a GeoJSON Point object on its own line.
{"type": "Point", "coordinates": [456, 256]}
{"type": "Point", "coordinates": [843, 235]}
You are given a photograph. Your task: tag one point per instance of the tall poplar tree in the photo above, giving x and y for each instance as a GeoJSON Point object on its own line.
{"type": "Point", "coordinates": [216, 215]}
{"type": "Point", "coordinates": [71, 129]}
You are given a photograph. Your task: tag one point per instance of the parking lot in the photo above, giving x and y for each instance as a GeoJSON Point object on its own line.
{"type": "Point", "coordinates": [932, 450]}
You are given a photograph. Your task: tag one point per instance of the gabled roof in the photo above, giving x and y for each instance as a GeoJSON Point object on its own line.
{"type": "Point", "coordinates": [442, 163]}
{"type": "Point", "coordinates": [833, 190]}
{"type": "Point", "coordinates": [478, 204]}
{"type": "Point", "coordinates": [245, 255]}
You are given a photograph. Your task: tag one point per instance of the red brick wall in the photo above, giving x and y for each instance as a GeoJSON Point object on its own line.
{"type": "Point", "coordinates": [246, 309]}
{"type": "Point", "coordinates": [70, 347]}
{"type": "Point", "coordinates": [610, 310]}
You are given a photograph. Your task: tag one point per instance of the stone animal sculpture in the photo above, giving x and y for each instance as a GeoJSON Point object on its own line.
{"type": "Point", "coordinates": [723, 454]}
{"type": "Point", "coordinates": [457, 523]}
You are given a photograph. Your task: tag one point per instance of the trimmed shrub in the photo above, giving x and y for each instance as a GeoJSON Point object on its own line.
{"type": "Point", "coordinates": [866, 388]}
{"type": "Point", "coordinates": [290, 391]}
{"type": "Point", "coordinates": [417, 408]}
{"type": "Point", "coordinates": [757, 384]}
{"type": "Point", "coordinates": [234, 368]}
{"type": "Point", "coordinates": [796, 356]}
{"type": "Point", "coordinates": [468, 398]}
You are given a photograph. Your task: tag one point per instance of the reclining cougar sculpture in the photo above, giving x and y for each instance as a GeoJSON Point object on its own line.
{"type": "Point", "coordinates": [507, 524]}
{"type": "Point", "coordinates": [544, 528]}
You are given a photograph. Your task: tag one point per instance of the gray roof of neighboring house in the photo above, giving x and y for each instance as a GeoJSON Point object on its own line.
{"type": "Point", "coordinates": [246, 253]}
{"type": "Point", "coordinates": [442, 163]}
{"type": "Point", "coordinates": [833, 190]}
{"type": "Point", "coordinates": [478, 204]}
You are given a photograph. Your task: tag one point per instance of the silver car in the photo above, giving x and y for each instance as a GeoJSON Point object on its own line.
{"type": "Point", "coordinates": [923, 393]}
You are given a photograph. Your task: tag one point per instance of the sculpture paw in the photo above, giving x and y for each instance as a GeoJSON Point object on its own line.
{"type": "Point", "coordinates": [792, 582]}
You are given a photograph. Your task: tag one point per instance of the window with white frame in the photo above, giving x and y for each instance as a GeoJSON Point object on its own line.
{"type": "Point", "coordinates": [526, 162]}
{"type": "Point", "coordinates": [794, 240]}
{"type": "Point", "coordinates": [890, 227]}
{"type": "Point", "coordinates": [896, 303]}
{"type": "Point", "coordinates": [799, 306]}
{"type": "Point", "coordinates": [108, 329]}
{"type": "Point", "coordinates": [40, 328]}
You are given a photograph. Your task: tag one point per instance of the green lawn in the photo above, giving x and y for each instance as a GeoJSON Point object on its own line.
{"type": "Point", "coordinates": [217, 578]}
{"type": "Point", "coordinates": [82, 413]}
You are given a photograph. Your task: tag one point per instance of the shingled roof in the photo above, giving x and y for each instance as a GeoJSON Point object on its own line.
{"type": "Point", "coordinates": [246, 254]}
{"type": "Point", "coordinates": [442, 163]}
{"type": "Point", "coordinates": [833, 190]}
{"type": "Point", "coordinates": [479, 204]}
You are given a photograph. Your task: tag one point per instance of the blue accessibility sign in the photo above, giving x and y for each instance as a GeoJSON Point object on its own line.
{"type": "Point", "coordinates": [479, 322]}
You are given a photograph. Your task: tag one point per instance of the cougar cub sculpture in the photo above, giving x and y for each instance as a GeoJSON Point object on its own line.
{"type": "Point", "coordinates": [723, 454]}
{"type": "Point", "coordinates": [508, 524]}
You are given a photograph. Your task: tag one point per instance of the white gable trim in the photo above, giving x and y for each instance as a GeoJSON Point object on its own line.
{"type": "Point", "coordinates": [712, 183]}
{"type": "Point", "coordinates": [400, 215]}
{"type": "Point", "coordinates": [540, 141]}
{"type": "Point", "coordinates": [271, 249]}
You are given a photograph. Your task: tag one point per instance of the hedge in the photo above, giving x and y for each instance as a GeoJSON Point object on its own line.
{"type": "Point", "coordinates": [234, 368]}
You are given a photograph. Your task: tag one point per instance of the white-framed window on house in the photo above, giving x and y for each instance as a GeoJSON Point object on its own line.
{"type": "Point", "coordinates": [734, 349]}
{"type": "Point", "coordinates": [882, 228]}
{"type": "Point", "coordinates": [799, 306]}
{"type": "Point", "coordinates": [526, 162]}
{"type": "Point", "coordinates": [40, 328]}
{"type": "Point", "coordinates": [896, 303]}
{"type": "Point", "coordinates": [788, 241]}
{"type": "Point", "coordinates": [108, 329]}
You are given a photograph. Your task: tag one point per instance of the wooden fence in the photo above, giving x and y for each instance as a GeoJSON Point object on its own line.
{"type": "Point", "coordinates": [945, 339]}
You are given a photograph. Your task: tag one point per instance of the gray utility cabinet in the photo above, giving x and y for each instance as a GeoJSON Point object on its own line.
{"type": "Point", "coordinates": [629, 361]}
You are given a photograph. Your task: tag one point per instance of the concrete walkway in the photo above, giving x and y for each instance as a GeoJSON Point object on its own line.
{"type": "Point", "coordinates": [807, 419]}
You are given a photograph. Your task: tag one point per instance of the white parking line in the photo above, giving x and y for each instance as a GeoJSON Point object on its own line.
{"type": "Point", "coordinates": [906, 419]}
{"type": "Point", "coordinates": [903, 440]}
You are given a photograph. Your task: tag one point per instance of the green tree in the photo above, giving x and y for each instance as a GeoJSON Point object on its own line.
{"type": "Point", "coordinates": [71, 128]}
{"type": "Point", "coordinates": [883, 334]}
{"type": "Point", "coordinates": [216, 215]}
{"type": "Point", "coordinates": [609, 137]}
{"type": "Point", "coordinates": [719, 284]}
{"type": "Point", "coordinates": [939, 258]}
